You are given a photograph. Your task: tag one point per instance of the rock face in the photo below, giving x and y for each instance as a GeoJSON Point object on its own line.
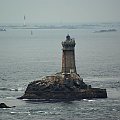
{"type": "Point", "coordinates": [57, 87]}
{"type": "Point", "coordinates": [66, 85]}
{"type": "Point", "coordinates": [3, 105]}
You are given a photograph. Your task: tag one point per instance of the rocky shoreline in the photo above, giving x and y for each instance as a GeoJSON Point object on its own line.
{"type": "Point", "coordinates": [57, 88]}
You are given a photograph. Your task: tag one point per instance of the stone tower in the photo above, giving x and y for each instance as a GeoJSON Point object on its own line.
{"type": "Point", "coordinates": [67, 85]}
{"type": "Point", "coordinates": [68, 56]}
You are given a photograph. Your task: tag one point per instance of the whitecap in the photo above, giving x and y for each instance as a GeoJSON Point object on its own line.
{"type": "Point", "coordinates": [40, 112]}
{"type": "Point", "coordinates": [20, 112]}
{"type": "Point", "coordinates": [10, 97]}
{"type": "Point", "coordinates": [85, 100]}
{"type": "Point", "coordinates": [91, 100]}
{"type": "Point", "coordinates": [25, 99]}
{"type": "Point", "coordinates": [16, 89]}
{"type": "Point", "coordinates": [114, 109]}
{"type": "Point", "coordinates": [5, 108]}
{"type": "Point", "coordinates": [13, 112]}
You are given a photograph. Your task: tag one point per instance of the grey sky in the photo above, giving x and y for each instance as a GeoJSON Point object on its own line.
{"type": "Point", "coordinates": [59, 11]}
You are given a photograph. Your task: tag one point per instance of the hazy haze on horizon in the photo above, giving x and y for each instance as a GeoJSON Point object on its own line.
{"type": "Point", "coordinates": [59, 11]}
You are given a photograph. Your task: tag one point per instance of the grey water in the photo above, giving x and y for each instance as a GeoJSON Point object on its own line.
{"type": "Point", "coordinates": [25, 57]}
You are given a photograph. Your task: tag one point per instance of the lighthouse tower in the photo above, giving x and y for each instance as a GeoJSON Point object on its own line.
{"type": "Point", "coordinates": [68, 56]}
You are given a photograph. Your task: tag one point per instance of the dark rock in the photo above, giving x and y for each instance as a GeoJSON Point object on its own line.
{"type": "Point", "coordinates": [3, 105]}
{"type": "Point", "coordinates": [56, 87]}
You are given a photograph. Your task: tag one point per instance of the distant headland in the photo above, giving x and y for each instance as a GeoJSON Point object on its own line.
{"type": "Point", "coordinates": [106, 30]}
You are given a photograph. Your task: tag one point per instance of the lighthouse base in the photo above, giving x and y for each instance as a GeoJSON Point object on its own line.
{"type": "Point", "coordinates": [59, 87]}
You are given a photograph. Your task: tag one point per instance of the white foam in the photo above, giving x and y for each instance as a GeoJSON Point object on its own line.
{"type": "Point", "coordinates": [91, 100]}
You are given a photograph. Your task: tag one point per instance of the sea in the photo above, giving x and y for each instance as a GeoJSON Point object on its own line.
{"type": "Point", "coordinates": [29, 52]}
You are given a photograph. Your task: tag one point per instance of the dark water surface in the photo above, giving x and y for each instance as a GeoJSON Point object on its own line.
{"type": "Point", "coordinates": [25, 57]}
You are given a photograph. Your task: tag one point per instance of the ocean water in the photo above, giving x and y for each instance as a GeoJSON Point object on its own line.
{"type": "Point", "coordinates": [26, 56]}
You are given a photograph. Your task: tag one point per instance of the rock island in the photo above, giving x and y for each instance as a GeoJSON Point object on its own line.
{"type": "Point", "coordinates": [65, 85]}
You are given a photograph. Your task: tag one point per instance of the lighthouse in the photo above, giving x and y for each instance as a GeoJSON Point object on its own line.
{"type": "Point", "coordinates": [68, 56]}
{"type": "Point", "coordinates": [65, 85]}
{"type": "Point", "coordinates": [24, 24]}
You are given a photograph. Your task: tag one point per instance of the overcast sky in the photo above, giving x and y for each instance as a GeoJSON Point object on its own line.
{"type": "Point", "coordinates": [59, 11]}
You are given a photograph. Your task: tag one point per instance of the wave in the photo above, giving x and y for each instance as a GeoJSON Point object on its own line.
{"type": "Point", "coordinates": [11, 89]}
{"type": "Point", "coordinates": [89, 100]}
{"type": "Point", "coordinates": [20, 112]}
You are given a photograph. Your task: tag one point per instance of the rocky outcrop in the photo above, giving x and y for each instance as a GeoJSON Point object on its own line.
{"type": "Point", "coordinates": [62, 87]}
{"type": "Point", "coordinates": [3, 105]}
